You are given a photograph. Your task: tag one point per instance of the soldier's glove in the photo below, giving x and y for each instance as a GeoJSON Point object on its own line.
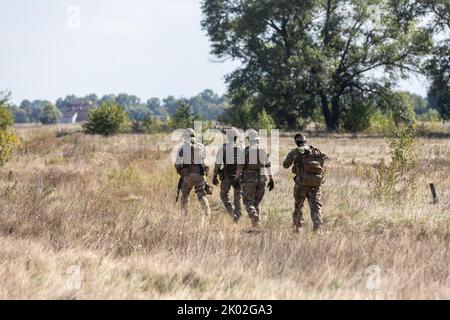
{"type": "Point", "coordinates": [215, 181]}
{"type": "Point", "coordinates": [271, 185]}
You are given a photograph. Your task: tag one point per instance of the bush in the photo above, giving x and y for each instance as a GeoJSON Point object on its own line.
{"type": "Point", "coordinates": [183, 116]}
{"type": "Point", "coordinates": [8, 140]}
{"type": "Point", "coordinates": [398, 179]}
{"type": "Point", "coordinates": [238, 116]}
{"type": "Point", "coordinates": [381, 123]}
{"type": "Point", "coordinates": [358, 117]}
{"type": "Point", "coordinates": [6, 118]}
{"type": "Point", "coordinates": [402, 109]}
{"type": "Point", "coordinates": [431, 115]}
{"type": "Point", "coordinates": [264, 121]}
{"type": "Point", "coordinates": [50, 114]}
{"type": "Point", "coordinates": [108, 119]}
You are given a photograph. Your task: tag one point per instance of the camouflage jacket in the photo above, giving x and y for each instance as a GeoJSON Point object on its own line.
{"type": "Point", "coordinates": [295, 156]}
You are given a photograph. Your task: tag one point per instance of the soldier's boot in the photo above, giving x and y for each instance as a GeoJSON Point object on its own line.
{"type": "Point", "coordinates": [255, 220]}
{"type": "Point", "coordinates": [298, 222]}
{"type": "Point", "coordinates": [297, 227]}
{"type": "Point", "coordinates": [237, 216]}
{"type": "Point", "coordinates": [316, 225]}
{"type": "Point", "coordinates": [230, 210]}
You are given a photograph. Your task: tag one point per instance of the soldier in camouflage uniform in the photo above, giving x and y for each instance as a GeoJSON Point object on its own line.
{"type": "Point", "coordinates": [252, 175]}
{"type": "Point", "coordinates": [301, 191]}
{"type": "Point", "coordinates": [191, 166]}
{"type": "Point", "coordinates": [228, 157]}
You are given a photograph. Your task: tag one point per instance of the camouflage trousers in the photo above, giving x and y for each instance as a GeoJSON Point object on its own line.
{"type": "Point", "coordinates": [225, 188]}
{"type": "Point", "coordinates": [198, 183]}
{"type": "Point", "coordinates": [314, 196]}
{"type": "Point", "coordinates": [253, 193]}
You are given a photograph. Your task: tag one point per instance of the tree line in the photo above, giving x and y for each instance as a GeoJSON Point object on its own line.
{"type": "Point", "coordinates": [206, 105]}
{"type": "Point", "coordinates": [339, 60]}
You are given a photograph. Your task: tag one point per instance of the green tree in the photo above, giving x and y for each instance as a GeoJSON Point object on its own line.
{"type": "Point", "coordinates": [184, 117]}
{"type": "Point", "coordinates": [420, 103]}
{"type": "Point", "coordinates": [401, 108]}
{"type": "Point", "coordinates": [264, 121]}
{"type": "Point", "coordinates": [125, 100]}
{"type": "Point", "coordinates": [239, 116]}
{"type": "Point", "coordinates": [20, 115]}
{"type": "Point", "coordinates": [170, 104]}
{"type": "Point", "coordinates": [6, 117]}
{"type": "Point", "coordinates": [50, 114]}
{"type": "Point", "coordinates": [438, 67]}
{"type": "Point", "coordinates": [359, 116]}
{"type": "Point", "coordinates": [137, 112]}
{"type": "Point", "coordinates": [8, 140]}
{"type": "Point", "coordinates": [108, 119]}
{"type": "Point", "coordinates": [297, 55]}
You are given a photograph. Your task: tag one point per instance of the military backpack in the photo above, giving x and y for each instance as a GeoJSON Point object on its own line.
{"type": "Point", "coordinates": [309, 167]}
{"type": "Point", "coordinates": [230, 161]}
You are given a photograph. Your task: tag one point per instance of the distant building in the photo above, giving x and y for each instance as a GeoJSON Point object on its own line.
{"type": "Point", "coordinates": [76, 112]}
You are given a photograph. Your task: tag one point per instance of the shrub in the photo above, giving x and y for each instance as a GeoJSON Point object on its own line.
{"type": "Point", "coordinates": [6, 118]}
{"type": "Point", "coordinates": [108, 119]}
{"type": "Point", "coordinates": [8, 140]}
{"type": "Point", "coordinates": [402, 108]}
{"type": "Point", "coordinates": [430, 115]}
{"type": "Point", "coordinates": [398, 179]}
{"type": "Point", "coordinates": [50, 114]}
{"type": "Point", "coordinates": [381, 123]}
{"type": "Point", "coordinates": [358, 117]}
{"type": "Point", "coordinates": [238, 116]}
{"type": "Point", "coordinates": [184, 117]}
{"type": "Point", "coordinates": [264, 121]}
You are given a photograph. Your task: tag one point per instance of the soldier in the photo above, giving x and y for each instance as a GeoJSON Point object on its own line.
{"type": "Point", "coordinates": [308, 169]}
{"type": "Point", "coordinates": [252, 174]}
{"type": "Point", "coordinates": [190, 165]}
{"type": "Point", "coordinates": [228, 157]}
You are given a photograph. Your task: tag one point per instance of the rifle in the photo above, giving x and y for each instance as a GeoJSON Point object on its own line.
{"type": "Point", "coordinates": [180, 186]}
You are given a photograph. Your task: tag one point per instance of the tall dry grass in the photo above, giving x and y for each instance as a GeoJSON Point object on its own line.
{"type": "Point", "coordinates": [106, 206]}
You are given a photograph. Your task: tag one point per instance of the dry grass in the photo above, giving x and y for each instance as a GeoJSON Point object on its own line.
{"type": "Point", "coordinates": [107, 206]}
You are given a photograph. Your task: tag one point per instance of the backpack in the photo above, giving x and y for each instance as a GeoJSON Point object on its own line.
{"type": "Point", "coordinates": [309, 168]}
{"type": "Point", "coordinates": [193, 158]}
{"type": "Point", "coordinates": [229, 169]}
{"type": "Point", "coordinates": [253, 158]}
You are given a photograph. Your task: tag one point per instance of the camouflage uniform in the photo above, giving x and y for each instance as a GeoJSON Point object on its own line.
{"type": "Point", "coordinates": [301, 192]}
{"type": "Point", "coordinates": [190, 164]}
{"type": "Point", "coordinates": [253, 177]}
{"type": "Point", "coordinates": [227, 160]}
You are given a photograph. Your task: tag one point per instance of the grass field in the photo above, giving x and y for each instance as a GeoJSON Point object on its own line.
{"type": "Point", "coordinates": [87, 217]}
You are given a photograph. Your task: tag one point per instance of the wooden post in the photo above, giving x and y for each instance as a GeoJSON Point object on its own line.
{"type": "Point", "coordinates": [433, 193]}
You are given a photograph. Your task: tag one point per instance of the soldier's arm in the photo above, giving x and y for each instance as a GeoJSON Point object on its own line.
{"type": "Point", "coordinates": [268, 166]}
{"type": "Point", "coordinates": [289, 160]}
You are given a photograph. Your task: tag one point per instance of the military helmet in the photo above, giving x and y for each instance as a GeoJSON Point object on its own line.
{"type": "Point", "coordinates": [231, 133]}
{"type": "Point", "coordinates": [189, 133]}
{"type": "Point", "coordinates": [253, 135]}
{"type": "Point", "coordinates": [300, 138]}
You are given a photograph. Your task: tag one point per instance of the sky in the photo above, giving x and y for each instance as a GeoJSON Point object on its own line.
{"type": "Point", "coordinates": [150, 48]}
